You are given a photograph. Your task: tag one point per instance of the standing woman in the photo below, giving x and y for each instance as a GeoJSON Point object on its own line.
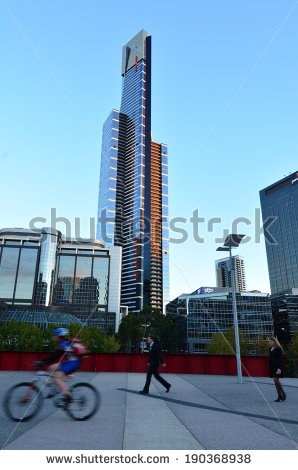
{"type": "Point", "coordinates": [276, 367]}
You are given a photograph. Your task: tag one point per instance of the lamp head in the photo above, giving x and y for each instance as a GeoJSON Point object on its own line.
{"type": "Point", "coordinates": [233, 240]}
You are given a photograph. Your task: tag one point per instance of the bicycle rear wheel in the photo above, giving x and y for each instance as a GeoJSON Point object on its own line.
{"type": "Point", "coordinates": [22, 401]}
{"type": "Point", "coordinates": [85, 401]}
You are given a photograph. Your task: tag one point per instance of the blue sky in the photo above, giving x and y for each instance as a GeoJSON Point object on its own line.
{"type": "Point", "coordinates": [224, 99]}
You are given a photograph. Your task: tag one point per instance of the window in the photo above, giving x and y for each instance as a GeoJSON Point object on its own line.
{"type": "Point", "coordinates": [83, 281]}
{"type": "Point", "coordinates": [31, 243]}
{"type": "Point", "coordinates": [12, 242]}
{"type": "Point", "coordinates": [100, 279]}
{"type": "Point", "coordinates": [63, 290]}
{"type": "Point", "coordinates": [8, 270]}
{"type": "Point", "coordinates": [26, 274]}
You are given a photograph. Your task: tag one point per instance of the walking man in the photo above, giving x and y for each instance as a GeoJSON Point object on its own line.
{"type": "Point", "coordinates": [155, 357]}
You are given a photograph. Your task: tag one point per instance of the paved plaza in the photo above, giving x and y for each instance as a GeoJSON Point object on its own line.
{"type": "Point", "coordinates": [200, 412]}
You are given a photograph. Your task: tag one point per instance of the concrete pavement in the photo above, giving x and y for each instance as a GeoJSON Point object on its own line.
{"type": "Point", "coordinates": [199, 412]}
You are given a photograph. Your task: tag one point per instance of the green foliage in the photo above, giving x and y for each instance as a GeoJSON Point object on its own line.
{"type": "Point", "coordinates": [110, 344]}
{"type": "Point", "coordinates": [260, 345]}
{"type": "Point", "coordinates": [224, 344]}
{"type": "Point", "coordinates": [291, 351]}
{"type": "Point", "coordinates": [163, 327]}
{"type": "Point", "coordinates": [292, 348]}
{"type": "Point", "coordinates": [130, 332]}
{"type": "Point", "coordinates": [20, 336]}
{"type": "Point", "coordinates": [134, 328]}
{"type": "Point", "coordinates": [290, 370]}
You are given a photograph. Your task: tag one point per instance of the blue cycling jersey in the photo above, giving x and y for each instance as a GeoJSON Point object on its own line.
{"type": "Point", "coordinates": [66, 347]}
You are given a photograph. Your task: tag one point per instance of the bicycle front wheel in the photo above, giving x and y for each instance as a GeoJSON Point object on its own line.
{"type": "Point", "coordinates": [85, 401]}
{"type": "Point", "coordinates": [22, 401]}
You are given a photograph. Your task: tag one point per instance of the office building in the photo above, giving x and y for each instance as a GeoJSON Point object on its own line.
{"type": "Point", "coordinates": [279, 203]}
{"type": "Point", "coordinates": [133, 188]}
{"type": "Point", "coordinates": [209, 310]}
{"type": "Point", "coordinates": [223, 273]}
{"type": "Point", "coordinates": [3, 309]}
{"type": "Point", "coordinates": [285, 314]}
{"type": "Point", "coordinates": [40, 270]}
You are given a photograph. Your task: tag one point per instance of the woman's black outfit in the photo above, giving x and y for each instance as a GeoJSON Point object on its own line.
{"type": "Point", "coordinates": [275, 363]}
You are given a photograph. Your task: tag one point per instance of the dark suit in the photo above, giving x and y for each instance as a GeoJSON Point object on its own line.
{"type": "Point", "coordinates": [155, 357]}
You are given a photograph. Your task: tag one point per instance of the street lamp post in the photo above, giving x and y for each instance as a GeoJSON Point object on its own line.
{"type": "Point", "coordinates": [233, 241]}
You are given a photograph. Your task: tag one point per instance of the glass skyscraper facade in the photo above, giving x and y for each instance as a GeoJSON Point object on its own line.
{"type": "Point", "coordinates": [279, 204]}
{"type": "Point", "coordinates": [133, 189]}
{"type": "Point", "coordinates": [19, 260]}
{"type": "Point", "coordinates": [81, 281]}
{"type": "Point", "coordinates": [285, 315]}
{"type": "Point", "coordinates": [42, 273]}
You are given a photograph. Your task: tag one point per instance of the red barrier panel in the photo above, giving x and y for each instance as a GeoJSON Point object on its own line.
{"type": "Point", "coordinates": [88, 363]}
{"type": "Point", "coordinates": [10, 360]}
{"type": "Point", "coordinates": [255, 367]}
{"type": "Point", "coordinates": [230, 364]}
{"type": "Point", "coordinates": [244, 369]}
{"type": "Point", "coordinates": [215, 365]}
{"type": "Point", "coordinates": [104, 362]}
{"type": "Point", "coordinates": [27, 360]}
{"type": "Point", "coordinates": [122, 363]}
{"type": "Point", "coordinates": [175, 363]}
{"type": "Point", "coordinates": [139, 363]}
{"type": "Point", "coordinates": [196, 364]}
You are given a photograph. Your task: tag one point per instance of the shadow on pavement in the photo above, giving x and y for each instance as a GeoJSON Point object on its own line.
{"type": "Point", "coordinates": [213, 408]}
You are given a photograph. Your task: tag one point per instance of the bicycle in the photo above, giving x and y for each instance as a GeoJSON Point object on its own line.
{"type": "Point", "coordinates": [23, 401]}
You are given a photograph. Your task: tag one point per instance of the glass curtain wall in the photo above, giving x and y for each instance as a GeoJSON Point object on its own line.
{"type": "Point", "coordinates": [279, 204]}
{"type": "Point", "coordinates": [135, 258]}
{"type": "Point", "coordinates": [82, 282]}
{"type": "Point", "coordinates": [18, 266]}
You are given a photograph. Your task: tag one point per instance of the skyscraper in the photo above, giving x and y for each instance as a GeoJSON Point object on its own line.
{"type": "Point", "coordinates": [279, 204]}
{"type": "Point", "coordinates": [223, 273]}
{"type": "Point", "coordinates": [133, 188]}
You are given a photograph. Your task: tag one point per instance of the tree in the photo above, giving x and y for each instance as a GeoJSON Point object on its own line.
{"type": "Point", "coordinates": [130, 332]}
{"type": "Point", "coordinates": [260, 345]}
{"type": "Point", "coordinates": [21, 336]}
{"type": "Point", "coordinates": [110, 344]}
{"type": "Point", "coordinates": [292, 349]}
{"type": "Point", "coordinates": [224, 344]}
{"type": "Point", "coordinates": [163, 327]}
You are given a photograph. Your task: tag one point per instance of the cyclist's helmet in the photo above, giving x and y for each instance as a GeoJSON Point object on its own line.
{"type": "Point", "coordinates": [60, 332]}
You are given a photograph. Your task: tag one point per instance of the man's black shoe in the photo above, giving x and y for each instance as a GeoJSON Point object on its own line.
{"type": "Point", "coordinates": [143, 392]}
{"type": "Point", "coordinates": [168, 388]}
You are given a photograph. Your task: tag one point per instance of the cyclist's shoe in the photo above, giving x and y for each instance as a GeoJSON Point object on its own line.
{"type": "Point", "coordinates": [64, 402]}
{"type": "Point", "coordinates": [51, 395]}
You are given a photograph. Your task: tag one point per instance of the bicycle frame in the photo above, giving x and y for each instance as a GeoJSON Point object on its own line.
{"type": "Point", "coordinates": [46, 379]}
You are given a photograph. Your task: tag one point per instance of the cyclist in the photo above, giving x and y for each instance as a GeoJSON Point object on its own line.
{"type": "Point", "coordinates": [64, 362]}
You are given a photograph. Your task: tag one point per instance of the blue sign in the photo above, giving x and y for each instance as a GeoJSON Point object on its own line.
{"type": "Point", "coordinates": [207, 290]}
